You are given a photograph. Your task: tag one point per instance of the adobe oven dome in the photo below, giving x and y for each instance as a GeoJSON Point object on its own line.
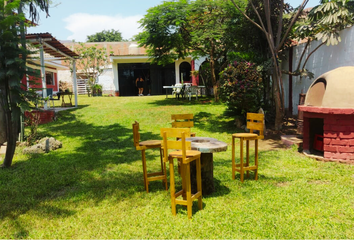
{"type": "Point", "coordinates": [333, 89]}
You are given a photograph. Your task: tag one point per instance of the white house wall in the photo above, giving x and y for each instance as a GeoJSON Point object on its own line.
{"type": "Point", "coordinates": [326, 58]}
{"type": "Point", "coordinates": [65, 76]}
{"type": "Point", "coordinates": [106, 80]}
{"type": "Point", "coordinates": [198, 62]}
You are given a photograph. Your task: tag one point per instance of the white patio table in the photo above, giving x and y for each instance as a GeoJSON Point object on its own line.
{"type": "Point", "coordinates": [172, 87]}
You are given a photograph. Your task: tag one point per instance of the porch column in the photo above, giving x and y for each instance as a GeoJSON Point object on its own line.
{"type": "Point", "coordinates": [177, 71]}
{"type": "Point", "coordinates": [194, 78]}
{"type": "Point", "coordinates": [44, 84]}
{"type": "Point", "coordinates": [75, 81]}
{"type": "Point", "coordinates": [115, 67]}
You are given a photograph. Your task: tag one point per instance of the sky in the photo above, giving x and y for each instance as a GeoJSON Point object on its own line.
{"type": "Point", "coordinates": [76, 19]}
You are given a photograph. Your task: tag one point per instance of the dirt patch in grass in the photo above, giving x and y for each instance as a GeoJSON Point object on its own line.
{"type": "Point", "coordinates": [282, 184]}
{"type": "Point", "coordinates": [318, 182]}
{"type": "Point", "coordinates": [272, 138]}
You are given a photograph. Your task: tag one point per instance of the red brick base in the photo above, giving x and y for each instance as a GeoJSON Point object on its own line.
{"type": "Point", "coordinates": [338, 132]}
{"type": "Point", "coordinates": [45, 116]}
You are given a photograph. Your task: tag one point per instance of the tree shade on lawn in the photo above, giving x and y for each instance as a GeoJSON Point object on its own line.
{"type": "Point", "coordinates": [93, 187]}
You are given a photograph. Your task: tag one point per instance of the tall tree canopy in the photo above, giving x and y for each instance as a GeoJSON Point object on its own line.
{"type": "Point", "coordinates": [277, 23]}
{"type": "Point", "coordinates": [201, 28]}
{"type": "Point", "coordinates": [106, 36]}
{"type": "Point", "coordinates": [277, 34]}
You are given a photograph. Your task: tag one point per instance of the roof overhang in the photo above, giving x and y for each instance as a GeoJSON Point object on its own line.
{"type": "Point", "coordinates": [49, 65]}
{"type": "Point", "coordinates": [51, 45]}
{"type": "Point", "coordinates": [130, 59]}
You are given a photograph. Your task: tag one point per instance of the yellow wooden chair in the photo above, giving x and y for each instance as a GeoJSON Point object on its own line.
{"type": "Point", "coordinates": [255, 122]}
{"type": "Point", "coordinates": [183, 121]}
{"type": "Point", "coordinates": [185, 156]}
{"type": "Point", "coordinates": [149, 144]}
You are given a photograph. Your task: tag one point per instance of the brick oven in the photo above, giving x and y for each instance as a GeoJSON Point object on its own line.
{"type": "Point", "coordinates": [328, 116]}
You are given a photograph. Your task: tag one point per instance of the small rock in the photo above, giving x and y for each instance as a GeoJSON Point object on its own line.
{"type": "Point", "coordinates": [34, 149]}
{"type": "Point", "coordinates": [44, 145]}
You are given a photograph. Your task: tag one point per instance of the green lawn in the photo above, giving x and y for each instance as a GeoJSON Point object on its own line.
{"type": "Point", "coordinates": [93, 186]}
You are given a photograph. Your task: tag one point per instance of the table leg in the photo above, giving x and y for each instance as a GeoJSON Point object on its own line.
{"type": "Point", "coordinates": [241, 159]}
{"type": "Point", "coordinates": [207, 171]}
{"type": "Point", "coordinates": [166, 93]}
{"type": "Point", "coordinates": [248, 157]}
{"type": "Point", "coordinates": [233, 158]}
{"type": "Point", "coordinates": [70, 97]}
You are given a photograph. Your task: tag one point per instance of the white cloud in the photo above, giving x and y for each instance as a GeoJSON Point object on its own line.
{"type": "Point", "coordinates": [83, 24]}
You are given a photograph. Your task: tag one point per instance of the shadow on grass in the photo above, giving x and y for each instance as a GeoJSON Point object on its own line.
{"type": "Point", "coordinates": [220, 189]}
{"type": "Point", "coordinates": [214, 123]}
{"type": "Point", "coordinates": [203, 120]}
{"type": "Point", "coordinates": [184, 101]}
{"type": "Point", "coordinates": [96, 167]}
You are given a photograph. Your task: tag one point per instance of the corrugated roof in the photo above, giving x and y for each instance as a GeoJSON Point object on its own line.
{"type": "Point", "coordinates": [52, 46]}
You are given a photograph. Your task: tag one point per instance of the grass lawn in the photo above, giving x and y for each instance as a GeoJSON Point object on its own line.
{"type": "Point", "coordinates": [93, 186]}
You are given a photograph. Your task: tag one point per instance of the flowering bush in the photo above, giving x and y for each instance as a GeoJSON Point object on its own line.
{"type": "Point", "coordinates": [65, 86]}
{"type": "Point", "coordinates": [241, 87]}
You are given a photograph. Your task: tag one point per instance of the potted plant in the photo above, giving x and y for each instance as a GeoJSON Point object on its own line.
{"type": "Point", "coordinates": [97, 90]}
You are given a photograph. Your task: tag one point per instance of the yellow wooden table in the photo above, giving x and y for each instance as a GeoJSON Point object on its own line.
{"type": "Point", "coordinates": [68, 102]}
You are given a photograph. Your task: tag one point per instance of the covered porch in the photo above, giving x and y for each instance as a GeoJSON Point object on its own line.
{"type": "Point", "coordinates": [51, 53]}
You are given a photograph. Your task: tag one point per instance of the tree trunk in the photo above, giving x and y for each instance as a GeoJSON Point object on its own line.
{"type": "Point", "coordinates": [278, 99]}
{"type": "Point", "coordinates": [207, 172]}
{"type": "Point", "coordinates": [216, 93]}
{"type": "Point", "coordinates": [213, 76]}
{"type": "Point", "coordinates": [3, 134]}
{"type": "Point", "coordinates": [11, 143]}
{"type": "Point", "coordinates": [12, 119]}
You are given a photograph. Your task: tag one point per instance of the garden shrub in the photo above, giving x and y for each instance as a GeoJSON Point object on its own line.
{"type": "Point", "coordinates": [241, 87]}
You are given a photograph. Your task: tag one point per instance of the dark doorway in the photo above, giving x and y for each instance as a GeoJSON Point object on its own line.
{"type": "Point", "coordinates": [127, 74]}
{"type": "Point", "coordinates": [316, 136]}
{"type": "Point", "coordinates": [185, 71]}
{"type": "Point", "coordinates": [159, 75]}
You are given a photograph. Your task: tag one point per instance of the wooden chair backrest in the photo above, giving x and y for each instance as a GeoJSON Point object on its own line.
{"type": "Point", "coordinates": [182, 120]}
{"type": "Point", "coordinates": [255, 122]}
{"type": "Point", "coordinates": [136, 134]}
{"type": "Point", "coordinates": [169, 140]}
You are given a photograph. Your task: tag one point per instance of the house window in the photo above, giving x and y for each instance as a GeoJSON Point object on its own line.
{"type": "Point", "coordinates": [49, 78]}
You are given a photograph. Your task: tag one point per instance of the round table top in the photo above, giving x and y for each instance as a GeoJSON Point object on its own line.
{"type": "Point", "coordinates": [207, 145]}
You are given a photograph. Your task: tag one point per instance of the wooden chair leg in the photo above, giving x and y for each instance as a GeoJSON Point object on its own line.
{"type": "Point", "coordinates": [187, 175]}
{"type": "Point", "coordinates": [241, 159]}
{"type": "Point", "coordinates": [184, 183]}
{"type": "Point", "coordinates": [146, 182]}
{"type": "Point", "coordinates": [256, 159]}
{"type": "Point", "coordinates": [172, 187]}
{"type": "Point", "coordinates": [163, 169]}
{"type": "Point", "coordinates": [248, 157]}
{"type": "Point", "coordinates": [233, 158]}
{"type": "Point", "coordinates": [199, 183]}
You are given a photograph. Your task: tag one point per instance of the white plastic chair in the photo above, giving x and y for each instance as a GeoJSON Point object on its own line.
{"type": "Point", "coordinates": [177, 89]}
{"type": "Point", "coordinates": [192, 90]}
